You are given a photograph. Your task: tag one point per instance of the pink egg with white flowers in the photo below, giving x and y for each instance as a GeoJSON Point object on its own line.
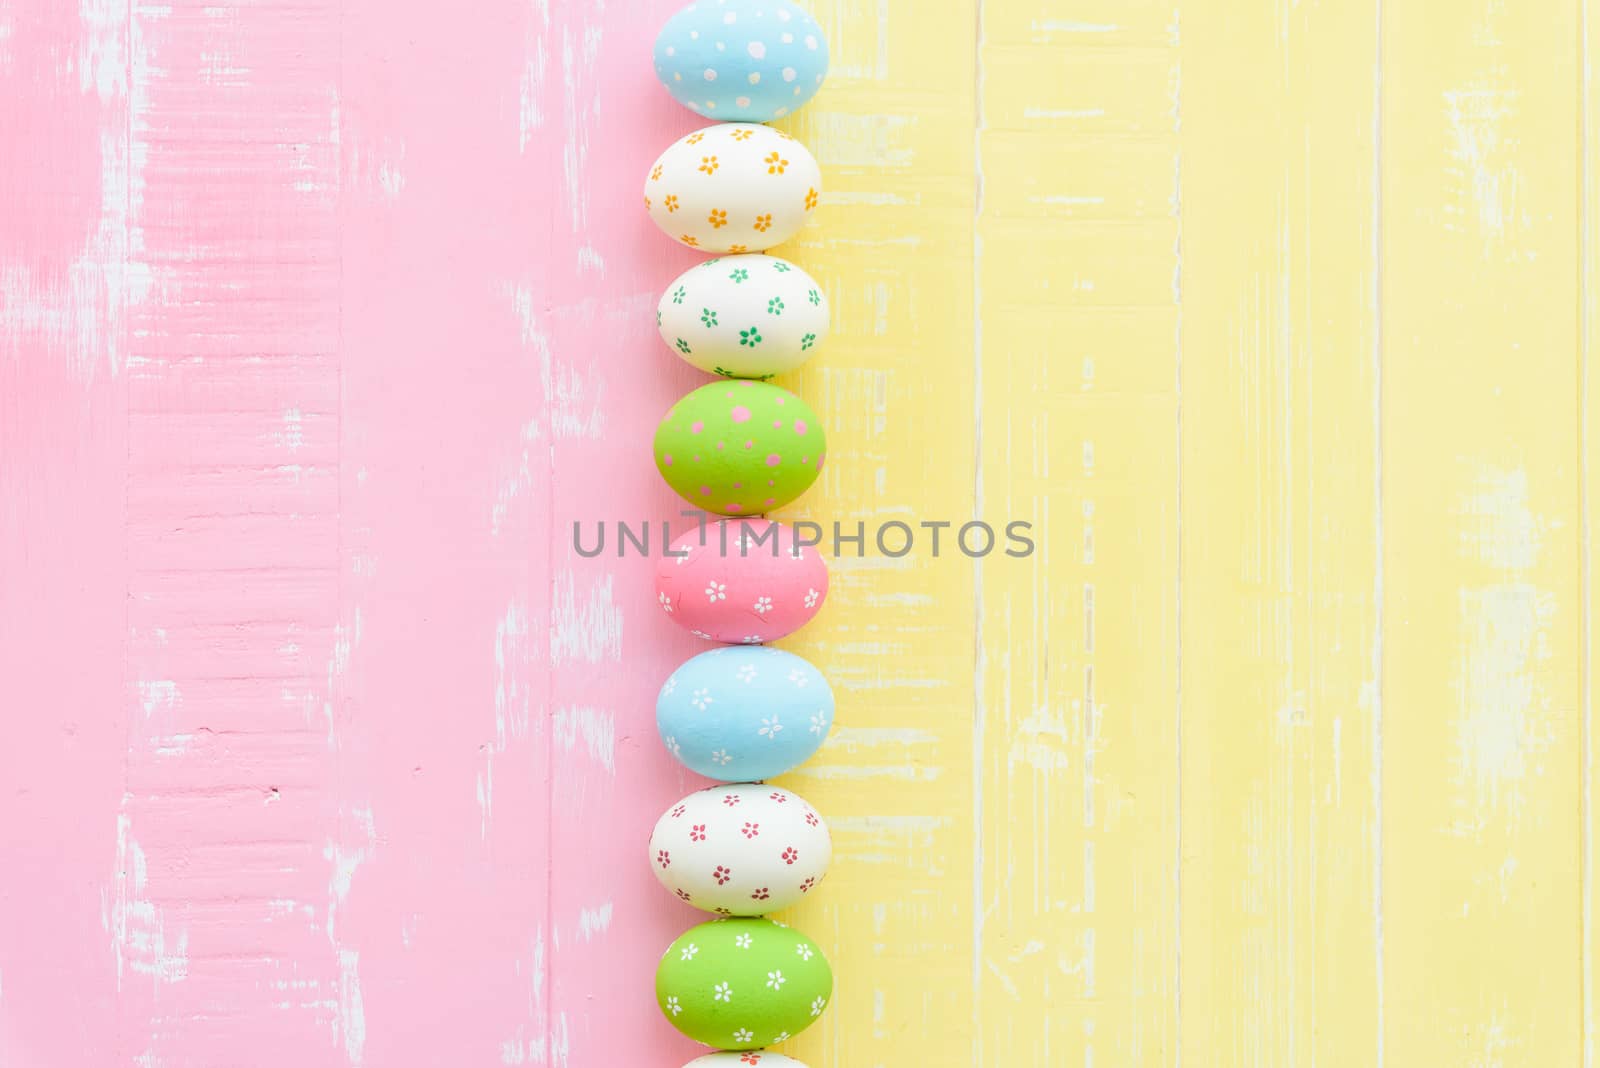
{"type": "Point", "coordinates": [741, 581]}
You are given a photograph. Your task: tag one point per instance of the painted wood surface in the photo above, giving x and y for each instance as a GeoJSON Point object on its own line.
{"type": "Point", "coordinates": [322, 322]}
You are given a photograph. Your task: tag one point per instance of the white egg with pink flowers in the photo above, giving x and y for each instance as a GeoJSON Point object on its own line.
{"type": "Point", "coordinates": [741, 849]}
{"type": "Point", "coordinates": [761, 1058]}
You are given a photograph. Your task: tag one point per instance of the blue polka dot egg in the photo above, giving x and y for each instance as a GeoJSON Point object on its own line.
{"type": "Point", "coordinates": [744, 713]}
{"type": "Point", "coordinates": [742, 60]}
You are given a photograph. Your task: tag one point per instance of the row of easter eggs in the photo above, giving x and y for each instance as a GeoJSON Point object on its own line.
{"type": "Point", "coordinates": [737, 188]}
{"type": "Point", "coordinates": [742, 849]}
{"type": "Point", "coordinates": [744, 317]}
{"type": "Point", "coordinates": [743, 712]}
{"type": "Point", "coordinates": [740, 714]}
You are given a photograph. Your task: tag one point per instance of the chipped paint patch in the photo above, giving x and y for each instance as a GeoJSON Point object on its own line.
{"type": "Point", "coordinates": [1498, 743]}
{"type": "Point", "coordinates": [560, 1041]}
{"type": "Point", "coordinates": [512, 689]}
{"type": "Point", "coordinates": [1499, 528]}
{"type": "Point", "coordinates": [586, 630]}
{"type": "Point", "coordinates": [579, 110]}
{"type": "Point", "coordinates": [140, 938]}
{"type": "Point", "coordinates": [574, 397]}
{"type": "Point", "coordinates": [885, 840]}
{"type": "Point", "coordinates": [596, 729]}
{"type": "Point", "coordinates": [1485, 175]}
{"type": "Point", "coordinates": [512, 693]}
{"type": "Point", "coordinates": [391, 179]}
{"type": "Point", "coordinates": [158, 696]}
{"type": "Point", "coordinates": [172, 745]}
{"type": "Point", "coordinates": [875, 140]}
{"type": "Point", "coordinates": [292, 436]}
{"type": "Point", "coordinates": [345, 855]}
{"type": "Point", "coordinates": [1504, 642]}
{"type": "Point", "coordinates": [103, 55]}
{"type": "Point", "coordinates": [1071, 26]}
{"type": "Point", "coordinates": [1042, 741]}
{"type": "Point", "coordinates": [345, 641]}
{"type": "Point", "coordinates": [352, 1024]}
{"type": "Point", "coordinates": [530, 116]}
{"type": "Point", "coordinates": [529, 1044]}
{"type": "Point", "coordinates": [87, 314]}
{"type": "Point", "coordinates": [589, 259]}
{"type": "Point", "coordinates": [594, 922]}
{"type": "Point", "coordinates": [513, 487]}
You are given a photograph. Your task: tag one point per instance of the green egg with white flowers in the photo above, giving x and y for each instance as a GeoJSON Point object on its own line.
{"type": "Point", "coordinates": [743, 983]}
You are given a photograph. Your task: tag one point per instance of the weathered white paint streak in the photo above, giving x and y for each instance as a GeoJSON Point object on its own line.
{"type": "Point", "coordinates": [595, 728]}
{"type": "Point", "coordinates": [529, 1045]}
{"type": "Point", "coordinates": [573, 393]}
{"type": "Point", "coordinates": [1071, 26]}
{"type": "Point", "coordinates": [158, 696]}
{"type": "Point", "coordinates": [103, 58]}
{"type": "Point", "coordinates": [531, 113]}
{"type": "Point", "coordinates": [1498, 751]}
{"type": "Point", "coordinates": [1486, 173]}
{"type": "Point", "coordinates": [345, 855]}
{"type": "Point", "coordinates": [140, 940]}
{"type": "Point", "coordinates": [512, 664]}
{"type": "Point", "coordinates": [1499, 529]}
{"type": "Point", "coordinates": [1504, 638]}
{"type": "Point", "coordinates": [594, 922]}
{"type": "Point", "coordinates": [352, 1018]}
{"type": "Point", "coordinates": [578, 103]}
{"type": "Point", "coordinates": [587, 630]}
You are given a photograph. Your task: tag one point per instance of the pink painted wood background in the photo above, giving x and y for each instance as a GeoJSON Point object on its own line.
{"type": "Point", "coordinates": [321, 747]}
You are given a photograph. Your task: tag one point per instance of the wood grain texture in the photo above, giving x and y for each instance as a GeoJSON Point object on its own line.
{"type": "Point", "coordinates": [1077, 697]}
{"type": "Point", "coordinates": [321, 323]}
{"type": "Point", "coordinates": [64, 260]}
{"type": "Point", "coordinates": [1281, 534]}
{"type": "Point", "coordinates": [1482, 604]}
{"type": "Point", "coordinates": [1589, 471]}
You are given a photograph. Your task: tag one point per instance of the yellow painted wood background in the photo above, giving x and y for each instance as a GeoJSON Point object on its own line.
{"type": "Point", "coordinates": [1274, 317]}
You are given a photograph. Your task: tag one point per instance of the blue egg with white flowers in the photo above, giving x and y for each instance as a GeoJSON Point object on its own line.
{"type": "Point", "coordinates": [744, 713]}
{"type": "Point", "coordinates": [742, 60]}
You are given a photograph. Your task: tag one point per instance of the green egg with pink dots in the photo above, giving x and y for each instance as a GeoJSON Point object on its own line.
{"type": "Point", "coordinates": [740, 447]}
{"type": "Point", "coordinates": [743, 983]}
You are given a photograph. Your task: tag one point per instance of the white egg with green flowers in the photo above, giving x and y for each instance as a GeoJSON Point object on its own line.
{"type": "Point", "coordinates": [747, 316]}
